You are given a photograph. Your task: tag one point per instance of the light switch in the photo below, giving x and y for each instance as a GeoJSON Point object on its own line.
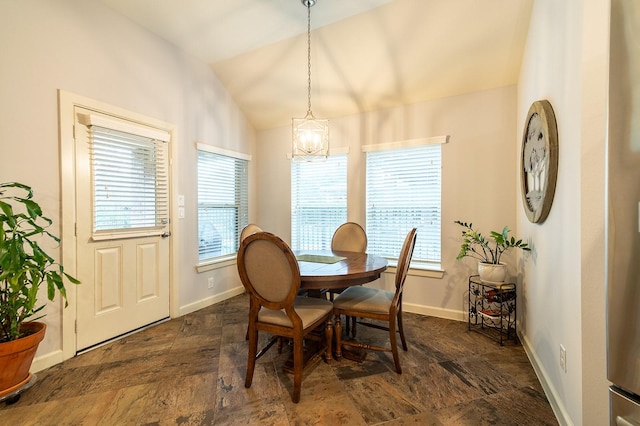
{"type": "Point", "coordinates": [181, 200]}
{"type": "Point", "coordinates": [180, 212]}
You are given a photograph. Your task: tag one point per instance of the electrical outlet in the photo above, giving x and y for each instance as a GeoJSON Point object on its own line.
{"type": "Point", "coordinates": [563, 358]}
{"type": "Point", "coordinates": [210, 282]}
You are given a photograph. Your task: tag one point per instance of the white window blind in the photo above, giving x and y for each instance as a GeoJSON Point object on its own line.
{"type": "Point", "coordinates": [318, 201]}
{"type": "Point", "coordinates": [223, 206]}
{"type": "Point", "coordinates": [403, 192]}
{"type": "Point", "coordinates": [130, 182]}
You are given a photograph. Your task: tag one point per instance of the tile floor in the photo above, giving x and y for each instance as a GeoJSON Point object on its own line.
{"type": "Point", "coordinates": [190, 371]}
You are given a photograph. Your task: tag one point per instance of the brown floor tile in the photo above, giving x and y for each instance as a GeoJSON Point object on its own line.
{"type": "Point", "coordinates": [191, 371]}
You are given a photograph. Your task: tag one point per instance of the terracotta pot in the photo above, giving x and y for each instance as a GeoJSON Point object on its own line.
{"type": "Point", "coordinates": [16, 357]}
{"type": "Point", "coordinates": [492, 273]}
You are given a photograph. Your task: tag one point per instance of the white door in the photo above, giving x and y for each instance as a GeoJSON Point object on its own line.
{"type": "Point", "coordinates": [122, 226]}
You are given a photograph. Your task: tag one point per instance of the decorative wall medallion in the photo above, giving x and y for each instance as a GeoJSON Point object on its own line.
{"type": "Point", "coordinates": [539, 165]}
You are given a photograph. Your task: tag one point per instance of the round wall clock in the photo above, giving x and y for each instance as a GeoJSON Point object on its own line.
{"type": "Point", "coordinates": [539, 165]}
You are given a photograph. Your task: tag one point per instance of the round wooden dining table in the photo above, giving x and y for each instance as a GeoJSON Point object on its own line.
{"type": "Point", "coordinates": [325, 270]}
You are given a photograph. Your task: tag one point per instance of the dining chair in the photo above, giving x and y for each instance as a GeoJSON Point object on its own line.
{"type": "Point", "coordinates": [251, 228]}
{"type": "Point", "coordinates": [269, 272]}
{"type": "Point", "coordinates": [377, 305]}
{"type": "Point", "coordinates": [349, 236]}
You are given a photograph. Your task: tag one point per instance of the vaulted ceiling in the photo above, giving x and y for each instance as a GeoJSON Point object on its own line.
{"type": "Point", "coordinates": [366, 54]}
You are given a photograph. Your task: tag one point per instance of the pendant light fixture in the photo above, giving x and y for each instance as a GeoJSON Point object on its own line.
{"type": "Point", "coordinates": [310, 134]}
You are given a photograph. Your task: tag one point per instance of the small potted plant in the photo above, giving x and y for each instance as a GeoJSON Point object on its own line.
{"type": "Point", "coordinates": [24, 267]}
{"type": "Point", "coordinates": [488, 251]}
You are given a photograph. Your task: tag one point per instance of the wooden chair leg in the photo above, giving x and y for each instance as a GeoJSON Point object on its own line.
{"type": "Point", "coordinates": [347, 325]}
{"type": "Point", "coordinates": [394, 345]}
{"type": "Point", "coordinates": [298, 358]}
{"type": "Point", "coordinates": [401, 329]}
{"type": "Point", "coordinates": [338, 333]}
{"type": "Point", "coordinates": [353, 326]}
{"type": "Point", "coordinates": [251, 359]}
{"type": "Point", "coordinates": [328, 335]}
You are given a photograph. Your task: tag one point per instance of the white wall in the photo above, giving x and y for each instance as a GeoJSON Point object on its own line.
{"type": "Point", "coordinates": [478, 178]}
{"type": "Point", "coordinates": [563, 287]}
{"type": "Point", "coordinates": [83, 47]}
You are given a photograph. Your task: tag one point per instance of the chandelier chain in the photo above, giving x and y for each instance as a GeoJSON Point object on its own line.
{"type": "Point", "coordinates": [309, 58]}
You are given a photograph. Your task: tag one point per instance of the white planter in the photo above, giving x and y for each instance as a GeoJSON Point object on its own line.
{"type": "Point", "coordinates": [492, 273]}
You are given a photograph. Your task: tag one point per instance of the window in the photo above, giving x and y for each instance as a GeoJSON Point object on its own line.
{"type": "Point", "coordinates": [318, 201]}
{"type": "Point", "coordinates": [404, 191]}
{"type": "Point", "coordinates": [222, 201]}
{"type": "Point", "coordinates": [129, 177]}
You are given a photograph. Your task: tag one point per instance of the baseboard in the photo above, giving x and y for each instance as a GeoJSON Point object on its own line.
{"type": "Point", "coordinates": [413, 308]}
{"type": "Point", "coordinates": [450, 314]}
{"type": "Point", "coordinates": [47, 360]}
{"type": "Point", "coordinates": [192, 307]}
{"type": "Point", "coordinates": [554, 400]}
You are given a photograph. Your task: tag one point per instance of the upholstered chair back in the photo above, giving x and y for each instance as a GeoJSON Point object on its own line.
{"type": "Point", "coordinates": [349, 237]}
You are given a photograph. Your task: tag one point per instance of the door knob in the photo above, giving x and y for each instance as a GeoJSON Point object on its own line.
{"type": "Point", "coordinates": [166, 234]}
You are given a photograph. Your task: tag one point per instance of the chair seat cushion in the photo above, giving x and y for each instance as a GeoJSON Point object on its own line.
{"type": "Point", "coordinates": [364, 299]}
{"type": "Point", "coordinates": [309, 309]}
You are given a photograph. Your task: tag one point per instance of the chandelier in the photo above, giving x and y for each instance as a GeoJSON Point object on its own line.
{"type": "Point", "coordinates": [310, 134]}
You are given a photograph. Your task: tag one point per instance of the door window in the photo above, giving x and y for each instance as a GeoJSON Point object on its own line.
{"type": "Point", "coordinates": [129, 178]}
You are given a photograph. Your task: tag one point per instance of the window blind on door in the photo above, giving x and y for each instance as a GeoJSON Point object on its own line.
{"type": "Point", "coordinates": [130, 182]}
{"type": "Point", "coordinates": [403, 192]}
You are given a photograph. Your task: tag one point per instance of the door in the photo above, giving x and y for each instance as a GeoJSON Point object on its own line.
{"type": "Point", "coordinates": [122, 226]}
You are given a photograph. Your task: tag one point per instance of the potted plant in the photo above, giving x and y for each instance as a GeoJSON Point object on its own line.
{"type": "Point", "coordinates": [24, 267]}
{"type": "Point", "coordinates": [488, 251]}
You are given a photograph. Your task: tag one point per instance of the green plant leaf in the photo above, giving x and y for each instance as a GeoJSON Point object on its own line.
{"type": "Point", "coordinates": [8, 215]}
{"type": "Point", "coordinates": [24, 264]}
{"type": "Point", "coordinates": [476, 246]}
{"type": "Point", "coordinates": [32, 207]}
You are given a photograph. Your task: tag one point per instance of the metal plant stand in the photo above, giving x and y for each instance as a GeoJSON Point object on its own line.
{"type": "Point", "coordinates": [492, 309]}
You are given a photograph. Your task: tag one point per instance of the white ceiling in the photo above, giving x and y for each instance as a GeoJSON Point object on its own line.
{"type": "Point", "coordinates": [366, 54]}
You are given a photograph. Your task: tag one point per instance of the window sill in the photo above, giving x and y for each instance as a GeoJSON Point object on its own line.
{"type": "Point", "coordinates": [419, 270]}
{"type": "Point", "coordinates": [217, 263]}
